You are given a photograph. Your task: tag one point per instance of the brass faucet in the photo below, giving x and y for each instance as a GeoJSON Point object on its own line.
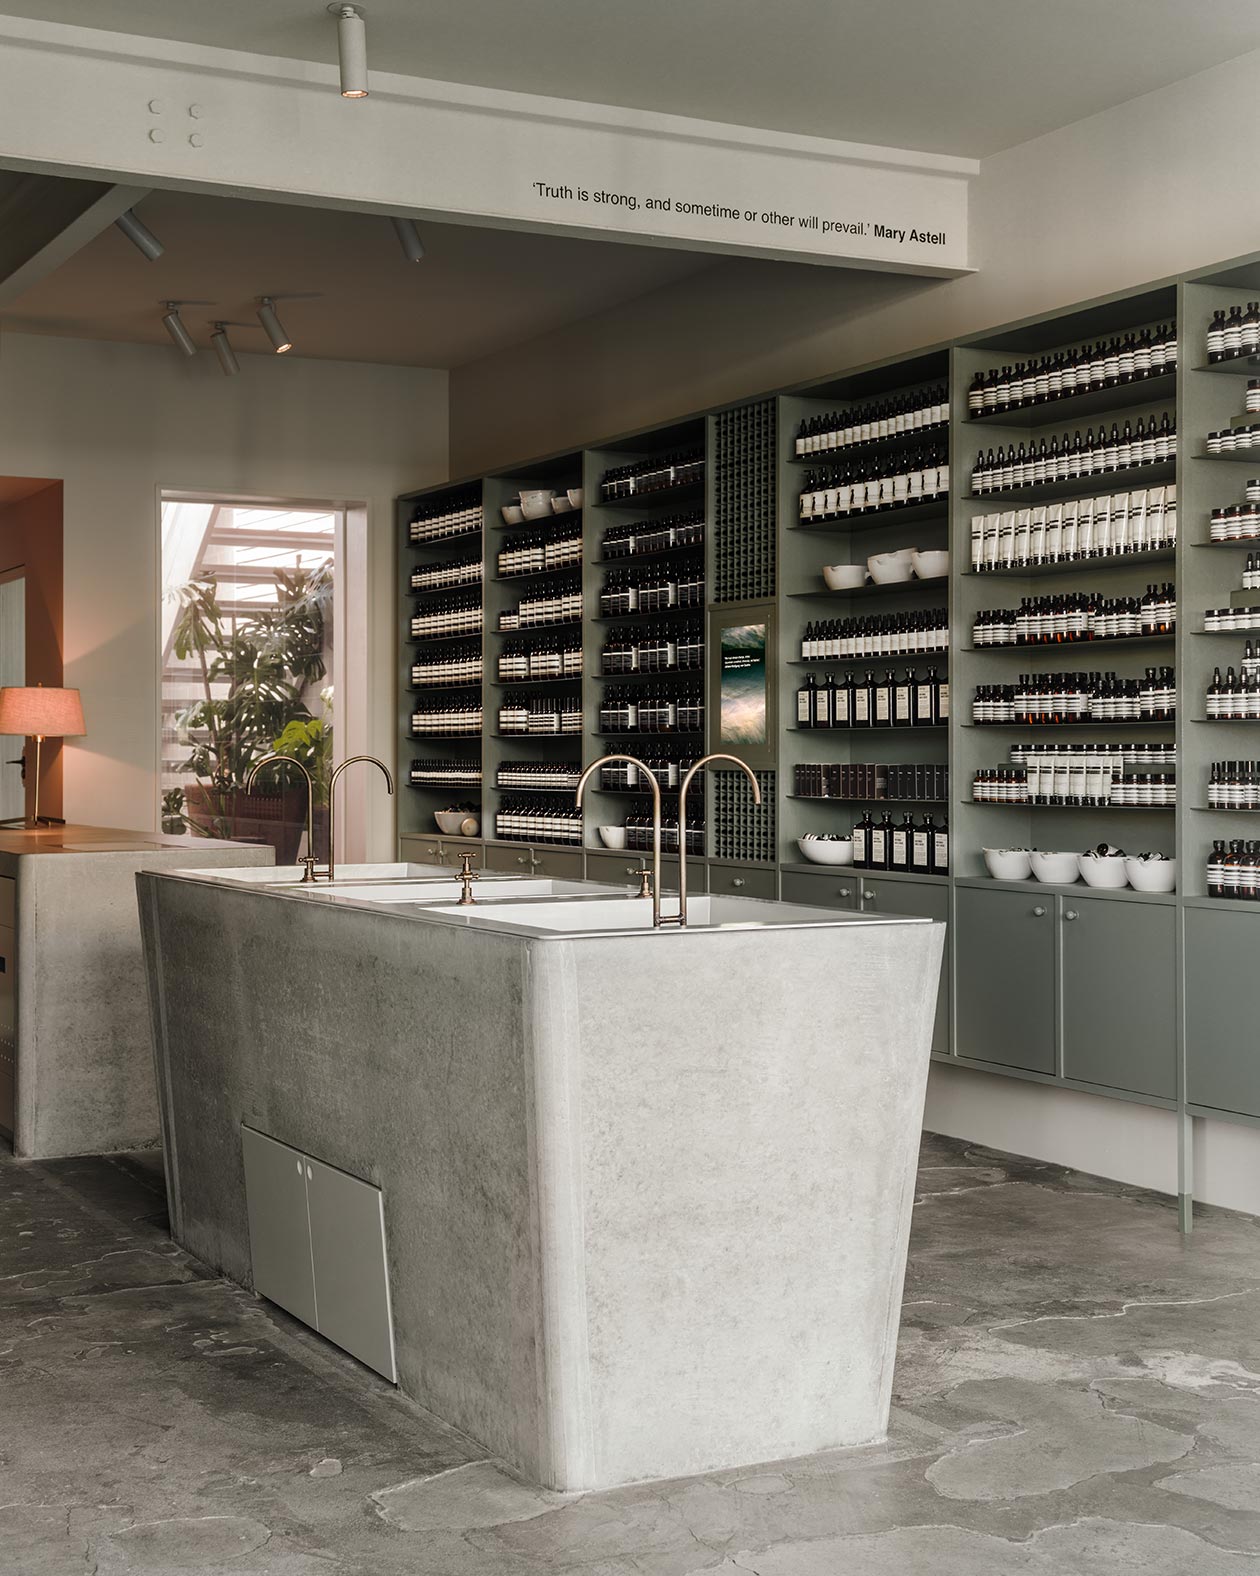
{"type": "Point", "coordinates": [606, 760]}
{"type": "Point", "coordinates": [310, 865]}
{"type": "Point", "coordinates": [332, 802]}
{"type": "Point", "coordinates": [682, 824]}
{"type": "Point", "coordinates": [467, 875]}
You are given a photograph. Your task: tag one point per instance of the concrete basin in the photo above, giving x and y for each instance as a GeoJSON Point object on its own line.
{"type": "Point", "coordinates": [585, 913]}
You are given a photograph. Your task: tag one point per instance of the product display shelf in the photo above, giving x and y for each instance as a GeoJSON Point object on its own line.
{"type": "Point", "coordinates": [1053, 415]}
{"type": "Point", "coordinates": [811, 867]}
{"type": "Point", "coordinates": [1210, 579]}
{"type": "Point", "coordinates": [416, 804]}
{"type": "Point", "coordinates": [1123, 480]}
{"type": "Point", "coordinates": [978, 823]}
{"type": "Point", "coordinates": [1073, 647]}
{"type": "Point", "coordinates": [1072, 566]}
{"type": "Point", "coordinates": [804, 547]}
{"type": "Point", "coordinates": [1192, 948]}
{"type": "Point", "coordinates": [1249, 457]}
{"type": "Point", "coordinates": [914, 587]}
{"type": "Point", "coordinates": [504, 592]}
{"type": "Point", "coordinates": [611, 806]}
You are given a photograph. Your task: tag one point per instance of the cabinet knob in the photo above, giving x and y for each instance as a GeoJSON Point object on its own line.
{"type": "Point", "coordinates": [522, 859]}
{"type": "Point", "coordinates": [1070, 913]}
{"type": "Point", "coordinates": [632, 870]}
{"type": "Point", "coordinates": [869, 896]}
{"type": "Point", "coordinates": [1038, 912]}
{"type": "Point", "coordinates": [737, 881]}
{"type": "Point", "coordinates": [844, 891]}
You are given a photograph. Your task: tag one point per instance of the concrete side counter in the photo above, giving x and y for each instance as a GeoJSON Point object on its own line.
{"type": "Point", "coordinates": [79, 1049]}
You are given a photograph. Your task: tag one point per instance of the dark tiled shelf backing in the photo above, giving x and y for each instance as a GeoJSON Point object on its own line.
{"type": "Point", "coordinates": [1091, 402]}
{"type": "Point", "coordinates": [1077, 645]}
{"type": "Point", "coordinates": [938, 429]}
{"type": "Point", "coordinates": [1069, 566]}
{"type": "Point", "coordinates": [1096, 482]}
{"type": "Point", "coordinates": [826, 595]}
{"type": "Point", "coordinates": [884, 514]}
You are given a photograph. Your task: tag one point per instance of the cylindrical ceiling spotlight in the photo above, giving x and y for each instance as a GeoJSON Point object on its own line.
{"type": "Point", "coordinates": [271, 323]}
{"type": "Point", "coordinates": [351, 48]}
{"type": "Point", "coordinates": [173, 324]}
{"type": "Point", "coordinates": [409, 239]}
{"type": "Point", "coordinates": [140, 236]}
{"type": "Point", "coordinates": [223, 349]}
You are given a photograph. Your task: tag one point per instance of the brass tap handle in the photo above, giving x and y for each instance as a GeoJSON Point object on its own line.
{"type": "Point", "coordinates": [645, 884]}
{"type": "Point", "coordinates": [310, 869]}
{"type": "Point", "coordinates": [467, 875]}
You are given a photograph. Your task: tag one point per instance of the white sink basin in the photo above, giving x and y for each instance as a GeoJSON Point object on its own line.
{"type": "Point", "coordinates": [612, 916]}
{"type": "Point", "coordinates": [445, 888]}
{"type": "Point", "coordinates": [291, 875]}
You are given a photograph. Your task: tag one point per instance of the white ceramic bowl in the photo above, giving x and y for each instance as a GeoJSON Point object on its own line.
{"type": "Point", "coordinates": [844, 577]}
{"type": "Point", "coordinates": [1103, 870]}
{"type": "Point", "coordinates": [888, 568]}
{"type": "Point", "coordinates": [536, 505]}
{"type": "Point", "coordinates": [512, 514]}
{"type": "Point", "coordinates": [560, 504]}
{"type": "Point", "coordinates": [1152, 875]}
{"type": "Point", "coordinates": [931, 565]}
{"type": "Point", "coordinates": [1008, 864]}
{"type": "Point", "coordinates": [575, 497]}
{"type": "Point", "coordinates": [826, 850]}
{"type": "Point", "coordinates": [457, 823]}
{"type": "Point", "coordinates": [613, 836]}
{"type": "Point", "coordinates": [1058, 868]}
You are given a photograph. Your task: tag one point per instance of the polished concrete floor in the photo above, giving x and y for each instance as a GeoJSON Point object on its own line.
{"type": "Point", "coordinates": [1077, 1394]}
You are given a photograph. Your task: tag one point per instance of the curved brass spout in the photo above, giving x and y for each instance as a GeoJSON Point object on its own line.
{"type": "Point", "coordinates": [332, 803]}
{"type": "Point", "coordinates": [682, 822]}
{"type": "Point", "coordinates": [634, 760]}
{"type": "Point", "coordinates": [310, 863]}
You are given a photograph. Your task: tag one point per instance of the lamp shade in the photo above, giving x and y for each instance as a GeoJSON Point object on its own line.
{"type": "Point", "coordinates": [42, 713]}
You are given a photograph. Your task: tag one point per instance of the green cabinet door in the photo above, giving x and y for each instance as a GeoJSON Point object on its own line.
{"type": "Point", "coordinates": [1004, 977]}
{"type": "Point", "coordinates": [1223, 1009]}
{"type": "Point", "coordinates": [929, 900]}
{"type": "Point", "coordinates": [1119, 994]}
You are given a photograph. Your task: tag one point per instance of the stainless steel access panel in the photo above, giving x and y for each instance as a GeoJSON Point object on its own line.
{"type": "Point", "coordinates": [317, 1244]}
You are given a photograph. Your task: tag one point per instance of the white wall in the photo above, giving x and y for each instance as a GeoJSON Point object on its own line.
{"type": "Point", "coordinates": [121, 423]}
{"type": "Point", "coordinates": [1156, 186]}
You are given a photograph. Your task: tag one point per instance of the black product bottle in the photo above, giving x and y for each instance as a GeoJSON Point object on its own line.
{"type": "Point", "coordinates": [903, 844]}
{"type": "Point", "coordinates": [860, 711]}
{"type": "Point", "coordinates": [883, 701]}
{"type": "Point", "coordinates": [805, 702]}
{"type": "Point", "coordinates": [903, 700]}
{"type": "Point", "coordinates": [822, 699]}
{"type": "Point", "coordinates": [862, 831]}
{"type": "Point", "coordinates": [940, 849]}
{"type": "Point", "coordinates": [880, 844]}
{"type": "Point", "coordinates": [921, 848]}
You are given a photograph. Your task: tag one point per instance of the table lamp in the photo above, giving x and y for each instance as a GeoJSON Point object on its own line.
{"type": "Point", "coordinates": [40, 714]}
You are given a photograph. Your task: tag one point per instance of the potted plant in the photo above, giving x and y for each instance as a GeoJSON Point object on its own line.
{"type": "Point", "coordinates": [253, 674]}
{"type": "Point", "coordinates": [173, 812]}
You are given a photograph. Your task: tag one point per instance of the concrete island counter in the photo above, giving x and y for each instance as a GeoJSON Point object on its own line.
{"type": "Point", "coordinates": [619, 1202]}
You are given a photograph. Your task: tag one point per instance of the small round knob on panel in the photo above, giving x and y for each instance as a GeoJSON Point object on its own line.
{"type": "Point", "coordinates": [737, 881]}
{"type": "Point", "coordinates": [869, 896]}
{"type": "Point", "coordinates": [1038, 911]}
{"type": "Point", "coordinates": [1070, 914]}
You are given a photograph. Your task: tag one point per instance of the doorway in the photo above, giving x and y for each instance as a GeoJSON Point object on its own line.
{"type": "Point", "coordinates": [12, 672]}
{"type": "Point", "coordinates": [249, 667]}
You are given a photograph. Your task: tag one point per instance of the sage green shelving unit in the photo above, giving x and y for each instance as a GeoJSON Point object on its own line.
{"type": "Point", "coordinates": [1137, 997]}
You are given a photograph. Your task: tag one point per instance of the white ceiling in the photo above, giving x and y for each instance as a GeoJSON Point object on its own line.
{"type": "Point", "coordinates": [967, 77]}
{"type": "Point", "coordinates": [477, 290]}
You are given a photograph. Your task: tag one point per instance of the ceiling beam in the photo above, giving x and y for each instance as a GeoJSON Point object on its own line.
{"type": "Point", "coordinates": [159, 112]}
{"type": "Point", "coordinates": [44, 220]}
